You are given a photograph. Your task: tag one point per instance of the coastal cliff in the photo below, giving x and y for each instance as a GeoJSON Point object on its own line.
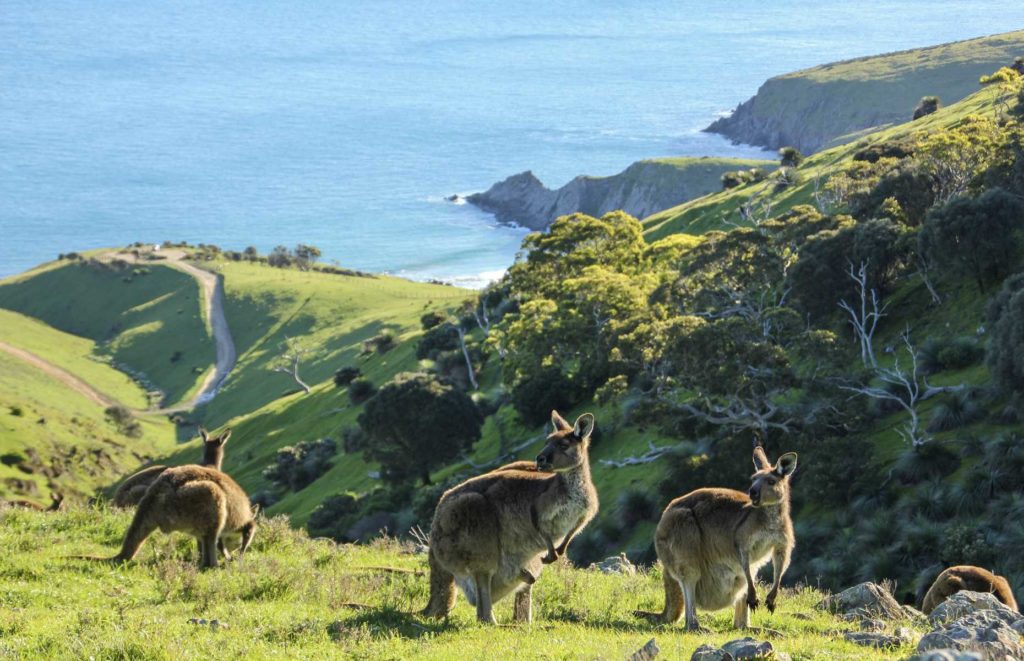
{"type": "Point", "coordinates": [645, 187]}
{"type": "Point", "coordinates": [834, 103]}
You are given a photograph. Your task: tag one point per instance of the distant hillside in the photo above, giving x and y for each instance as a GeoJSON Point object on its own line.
{"type": "Point", "coordinates": [814, 108]}
{"type": "Point", "coordinates": [645, 187]}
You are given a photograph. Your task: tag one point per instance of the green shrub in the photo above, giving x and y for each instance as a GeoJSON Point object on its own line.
{"type": "Point", "coordinates": [360, 390]}
{"type": "Point", "coordinates": [926, 106]}
{"type": "Point", "coordinates": [1005, 314]}
{"type": "Point", "coordinates": [383, 342]}
{"type": "Point", "coordinates": [346, 375]}
{"type": "Point", "coordinates": [790, 157]}
{"type": "Point", "coordinates": [436, 340]}
{"type": "Point", "coordinates": [296, 467]}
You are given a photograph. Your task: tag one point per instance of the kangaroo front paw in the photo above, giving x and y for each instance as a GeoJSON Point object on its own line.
{"type": "Point", "coordinates": [527, 577]}
{"type": "Point", "coordinates": [769, 601]}
{"type": "Point", "coordinates": [752, 601]}
{"type": "Point", "coordinates": [549, 558]}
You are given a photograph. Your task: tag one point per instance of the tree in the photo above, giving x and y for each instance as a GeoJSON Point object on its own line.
{"type": "Point", "coordinates": [292, 354]}
{"type": "Point", "coordinates": [926, 106]}
{"type": "Point", "coordinates": [977, 238]}
{"type": "Point", "coordinates": [956, 157]}
{"type": "Point", "coordinates": [306, 255]}
{"type": "Point", "coordinates": [1005, 315]}
{"type": "Point", "coordinates": [251, 253]}
{"type": "Point", "coordinates": [416, 423]}
{"type": "Point", "coordinates": [790, 157]}
{"type": "Point", "coordinates": [865, 317]}
{"type": "Point", "coordinates": [280, 257]}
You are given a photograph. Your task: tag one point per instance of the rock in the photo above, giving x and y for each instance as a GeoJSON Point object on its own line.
{"type": "Point", "coordinates": [868, 624]}
{"type": "Point", "coordinates": [710, 653]}
{"type": "Point", "coordinates": [748, 648]}
{"type": "Point", "coordinates": [966, 602]}
{"type": "Point", "coordinates": [880, 640]}
{"type": "Point", "coordinates": [452, 198]}
{"type": "Point", "coordinates": [986, 631]}
{"type": "Point", "coordinates": [947, 655]}
{"type": "Point", "coordinates": [616, 564]}
{"type": "Point", "coordinates": [646, 653]}
{"type": "Point", "coordinates": [868, 600]}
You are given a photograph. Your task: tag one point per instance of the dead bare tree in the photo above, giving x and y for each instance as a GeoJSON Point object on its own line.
{"type": "Point", "coordinates": [292, 354]}
{"type": "Point", "coordinates": [741, 415]}
{"type": "Point", "coordinates": [907, 389]}
{"type": "Point", "coordinates": [461, 332]}
{"type": "Point", "coordinates": [864, 319]}
{"type": "Point", "coordinates": [756, 209]}
{"type": "Point", "coordinates": [646, 458]}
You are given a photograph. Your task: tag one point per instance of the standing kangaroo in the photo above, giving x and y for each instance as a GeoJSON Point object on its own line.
{"type": "Point", "coordinates": [967, 577]}
{"type": "Point", "coordinates": [712, 542]}
{"type": "Point", "coordinates": [134, 488]}
{"type": "Point", "coordinates": [489, 533]}
{"type": "Point", "coordinates": [197, 500]}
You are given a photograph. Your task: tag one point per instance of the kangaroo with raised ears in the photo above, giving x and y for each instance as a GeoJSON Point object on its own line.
{"type": "Point", "coordinates": [198, 500]}
{"type": "Point", "coordinates": [492, 534]}
{"type": "Point", "coordinates": [712, 542]}
{"type": "Point", "coordinates": [134, 488]}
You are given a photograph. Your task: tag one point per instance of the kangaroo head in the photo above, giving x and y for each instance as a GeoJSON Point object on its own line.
{"type": "Point", "coordinates": [567, 444]}
{"type": "Point", "coordinates": [213, 447]}
{"type": "Point", "coordinates": [770, 484]}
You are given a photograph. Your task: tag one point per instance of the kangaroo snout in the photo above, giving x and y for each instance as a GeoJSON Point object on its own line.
{"type": "Point", "coordinates": [543, 461]}
{"type": "Point", "coordinates": [755, 496]}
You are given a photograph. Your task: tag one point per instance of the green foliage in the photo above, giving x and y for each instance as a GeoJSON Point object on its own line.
{"type": "Point", "coordinates": [360, 390]}
{"type": "Point", "coordinates": [123, 419]}
{"type": "Point", "coordinates": [1005, 315]}
{"type": "Point", "coordinates": [346, 375]}
{"type": "Point", "coordinates": [441, 337]}
{"type": "Point", "coordinates": [415, 424]}
{"type": "Point", "coordinates": [333, 517]}
{"type": "Point", "coordinates": [432, 319]}
{"type": "Point", "coordinates": [790, 157]}
{"type": "Point", "coordinates": [382, 342]}
{"type": "Point", "coordinates": [975, 237]}
{"type": "Point", "coordinates": [296, 467]}
{"type": "Point", "coordinates": [926, 106]}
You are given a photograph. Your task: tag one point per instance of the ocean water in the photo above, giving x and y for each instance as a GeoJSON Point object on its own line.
{"type": "Point", "coordinates": [345, 124]}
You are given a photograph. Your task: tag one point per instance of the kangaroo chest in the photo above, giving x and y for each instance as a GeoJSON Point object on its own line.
{"type": "Point", "coordinates": [566, 507]}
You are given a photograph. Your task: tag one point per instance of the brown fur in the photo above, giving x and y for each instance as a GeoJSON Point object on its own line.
{"type": "Point", "coordinates": [56, 500]}
{"type": "Point", "coordinates": [197, 500]}
{"type": "Point", "coordinates": [712, 542]}
{"type": "Point", "coordinates": [131, 491]}
{"type": "Point", "coordinates": [966, 577]}
{"type": "Point", "coordinates": [489, 533]}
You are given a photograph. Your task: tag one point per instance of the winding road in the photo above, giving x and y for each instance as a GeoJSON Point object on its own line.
{"type": "Point", "coordinates": [213, 309]}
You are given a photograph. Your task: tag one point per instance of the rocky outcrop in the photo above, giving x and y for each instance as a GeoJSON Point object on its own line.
{"type": "Point", "coordinates": [974, 622]}
{"type": "Point", "coordinates": [864, 601]}
{"type": "Point", "coordinates": [640, 190]}
{"type": "Point", "coordinates": [830, 104]}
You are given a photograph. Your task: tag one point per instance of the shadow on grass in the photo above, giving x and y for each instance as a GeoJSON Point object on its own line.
{"type": "Point", "coordinates": [386, 620]}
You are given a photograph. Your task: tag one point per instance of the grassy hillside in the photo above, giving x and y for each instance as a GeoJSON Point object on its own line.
{"type": "Point", "coordinates": [299, 598]}
{"type": "Point", "coordinates": [721, 210]}
{"type": "Point", "coordinates": [824, 105]}
{"type": "Point", "coordinates": [147, 318]}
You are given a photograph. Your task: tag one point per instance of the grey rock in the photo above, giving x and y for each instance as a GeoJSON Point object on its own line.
{"type": "Point", "coordinates": [748, 648]}
{"type": "Point", "coordinates": [948, 655]}
{"type": "Point", "coordinates": [616, 564]}
{"type": "Point", "coordinates": [880, 640]}
{"type": "Point", "coordinates": [966, 602]}
{"type": "Point", "coordinates": [867, 600]}
{"type": "Point", "coordinates": [646, 653]}
{"type": "Point", "coordinates": [710, 653]}
{"type": "Point", "coordinates": [986, 631]}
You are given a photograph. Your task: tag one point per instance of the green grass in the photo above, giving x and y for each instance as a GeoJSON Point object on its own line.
{"type": "Point", "coordinates": [76, 355]}
{"type": "Point", "coordinates": [833, 103]}
{"type": "Point", "coordinates": [146, 318]}
{"type": "Point", "coordinates": [299, 598]}
{"type": "Point", "coordinates": [78, 451]}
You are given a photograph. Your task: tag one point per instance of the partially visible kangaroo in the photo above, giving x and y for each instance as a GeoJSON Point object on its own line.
{"type": "Point", "coordinates": [489, 533]}
{"type": "Point", "coordinates": [966, 577]}
{"type": "Point", "coordinates": [711, 543]}
{"type": "Point", "coordinates": [197, 500]}
{"type": "Point", "coordinates": [56, 500]}
{"type": "Point", "coordinates": [134, 488]}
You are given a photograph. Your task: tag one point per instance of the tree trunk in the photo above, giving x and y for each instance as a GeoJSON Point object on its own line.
{"type": "Point", "coordinates": [465, 354]}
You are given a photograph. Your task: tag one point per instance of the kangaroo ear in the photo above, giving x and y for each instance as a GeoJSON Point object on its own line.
{"type": "Point", "coordinates": [559, 423]}
{"type": "Point", "coordinates": [786, 464]}
{"type": "Point", "coordinates": [204, 434]}
{"type": "Point", "coordinates": [584, 426]}
{"type": "Point", "coordinates": [225, 436]}
{"type": "Point", "coordinates": [760, 459]}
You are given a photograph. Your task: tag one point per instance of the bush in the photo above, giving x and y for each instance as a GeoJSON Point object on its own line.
{"type": "Point", "coordinates": [297, 467]}
{"type": "Point", "coordinates": [432, 319]}
{"type": "Point", "coordinates": [1005, 314]}
{"type": "Point", "coordinates": [898, 149]}
{"type": "Point", "coordinates": [955, 413]}
{"type": "Point", "coordinates": [939, 354]}
{"type": "Point", "coordinates": [535, 397]}
{"type": "Point", "coordinates": [790, 157]}
{"type": "Point", "coordinates": [360, 390]}
{"type": "Point", "coordinates": [635, 506]}
{"type": "Point", "coordinates": [346, 375]}
{"type": "Point", "coordinates": [383, 342]}
{"type": "Point", "coordinates": [785, 177]}
{"type": "Point", "coordinates": [354, 440]}
{"type": "Point", "coordinates": [125, 422]}
{"type": "Point", "coordinates": [16, 411]}
{"type": "Point", "coordinates": [333, 517]}
{"type": "Point", "coordinates": [926, 106]}
{"type": "Point", "coordinates": [437, 339]}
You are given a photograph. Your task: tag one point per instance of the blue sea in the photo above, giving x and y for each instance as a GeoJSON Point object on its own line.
{"type": "Point", "coordinates": [345, 124]}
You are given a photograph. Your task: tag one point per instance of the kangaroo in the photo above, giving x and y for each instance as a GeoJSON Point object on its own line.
{"type": "Point", "coordinates": [198, 500]}
{"type": "Point", "coordinates": [134, 488]}
{"type": "Point", "coordinates": [489, 533]}
{"type": "Point", "coordinates": [711, 543]}
{"type": "Point", "coordinates": [56, 500]}
{"type": "Point", "coordinates": [966, 577]}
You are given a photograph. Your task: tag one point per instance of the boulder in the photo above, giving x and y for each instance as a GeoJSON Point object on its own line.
{"type": "Point", "coordinates": [616, 564]}
{"type": "Point", "coordinates": [966, 602]}
{"type": "Point", "coordinates": [710, 653]}
{"type": "Point", "coordinates": [646, 653]}
{"type": "Point", "coordinates": [867, 600]}
{"type": "Point", "coordinates": [986, 631]}
{"type": "Point", "coordinates": [948, 655]}
{"type": "Point", "coordinates": [879, 640]}
{"type": "Point", "coordinates": [748, 648]}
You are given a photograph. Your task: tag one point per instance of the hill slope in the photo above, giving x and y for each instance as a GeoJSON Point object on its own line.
{"type": "Point", "coordinates": [816, 107]}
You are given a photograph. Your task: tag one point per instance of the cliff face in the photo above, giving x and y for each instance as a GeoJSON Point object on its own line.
{"type": "Point", "coordinates": [643, 188]}
{"type": "Point", "coordinates": [833, 103]}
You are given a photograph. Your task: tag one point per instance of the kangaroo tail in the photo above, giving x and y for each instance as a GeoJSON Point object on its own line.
{"type": "Point", "coordinates": [143, 524]}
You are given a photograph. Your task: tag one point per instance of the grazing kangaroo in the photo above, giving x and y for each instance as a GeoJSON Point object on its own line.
{"type": "Point", "coordinates": [197, 500]}
{"type": "Point", "coordinates": [966, 577]}
{"type": "Point", "coordinates": [489, 533]}
{"type": "Point", "coordinates": [711, 543]}
{"type": "Point", "coordinates": [134, 488]}
{"type": "Point", "coordinates": [56, 500]}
